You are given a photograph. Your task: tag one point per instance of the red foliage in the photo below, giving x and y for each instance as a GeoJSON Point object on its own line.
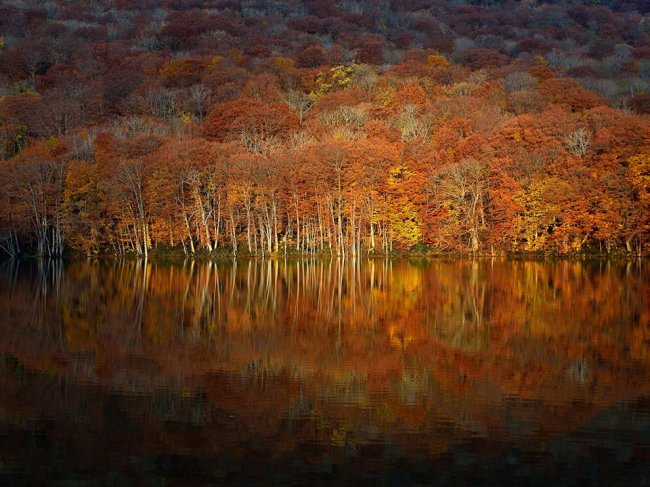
{"type": "Point", "coordinates": [246, 116]}
{"type": "Point", "coordinates": [371, 50]}
{"type": "Point", "coordinates": [640, 104]}
{"type": "Point", "coordinates": [486, 58]}
{"type": "Point", "coordinates": [312, 57]}
{"type": "Point", "coordinates": [566, 91]}
{"type": "Point", "coordinates": [541, 72]}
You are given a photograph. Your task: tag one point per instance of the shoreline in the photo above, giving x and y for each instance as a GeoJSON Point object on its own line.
{"type": "Point", "coordinates": [173, 255]}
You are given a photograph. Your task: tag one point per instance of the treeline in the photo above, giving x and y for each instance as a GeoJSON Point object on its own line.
{"type": "Point", "coordinates": [454, 173]}
{"type": "Point", "coordinates": [123, 149]}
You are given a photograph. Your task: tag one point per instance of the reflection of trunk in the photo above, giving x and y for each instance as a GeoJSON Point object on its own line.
{"type": "Point", "coordinates": [339, 212]}
{"type": "Point", "coordinates": [470, 335]}
{"type": "Point", "coordinates": [202, 301]}
{"type": "Point", "coordinates": [339, 295]}
{"type": "Point", "coordinates": [139, 300]}
{"type": "Point", "coordinates": [46, 302]}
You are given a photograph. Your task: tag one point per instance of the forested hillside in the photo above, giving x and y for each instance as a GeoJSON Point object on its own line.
{"type": "Point", "coordinates": [347, 127]}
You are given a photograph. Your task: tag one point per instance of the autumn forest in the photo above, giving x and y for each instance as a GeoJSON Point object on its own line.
{"type": "Point", "coordinates": [346, 128]}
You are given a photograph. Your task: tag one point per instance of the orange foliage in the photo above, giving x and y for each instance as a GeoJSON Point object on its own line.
{"type": "Point", "coordinates": [566, 91]}
{"type": "Point", "coordinates": [249, 117]}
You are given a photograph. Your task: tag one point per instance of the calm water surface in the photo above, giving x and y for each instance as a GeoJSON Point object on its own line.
{"type": "Point", "coordinates": [317, 372]}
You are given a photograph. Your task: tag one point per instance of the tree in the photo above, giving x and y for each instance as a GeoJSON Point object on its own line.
{"type": "Point", "coordinates": [567, 91]}
{"type": "Point", "coordinates": [460, 190]}
{"type": "Point", "coordinates": [35, 185]}
{"type": "Point", "coordinates": [82, 207]}
{"type": "Point", "coordinates": [312, 57]}
{"type": "Point", "coordinates": [254, 122]}
{"type": "Point", "coordinates": [577, 142]}
{"type": "Point", "coordinates": [127, 192]}
{"type": "Point", "coordinates": [300, 102]}
{"type": "Point", "coordinates": [17, 122]}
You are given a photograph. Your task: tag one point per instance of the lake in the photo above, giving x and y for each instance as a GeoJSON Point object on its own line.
{"type": "Point", "coordinates": [389, 372]}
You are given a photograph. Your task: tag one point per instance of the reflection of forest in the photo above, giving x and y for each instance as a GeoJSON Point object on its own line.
{"type": "Point", "coordinates": [424, 352]}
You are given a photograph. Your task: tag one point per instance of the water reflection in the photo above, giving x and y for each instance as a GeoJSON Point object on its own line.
{"type": "Point", "coordinates": [238, 368]}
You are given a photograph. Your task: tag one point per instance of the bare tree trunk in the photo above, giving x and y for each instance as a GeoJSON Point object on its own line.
{"type": "Point", "coordinates": [276, 243]}
{"type": "Point", "coordinates": [295, 196]}
{"type": "Point", "coordinates": [233, 235]}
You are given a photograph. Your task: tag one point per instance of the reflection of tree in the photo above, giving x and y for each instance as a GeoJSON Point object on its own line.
{"type": "Point", "coordinates": [41, 311]}
{"type": "Point", "coordinates": [459, 322]}
{"type": "Point", "coordinates": [402, 338]}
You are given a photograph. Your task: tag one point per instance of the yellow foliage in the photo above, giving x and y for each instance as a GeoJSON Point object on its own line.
{"type": "Point", "coordinates": [175, 67]}
{"type": "Point", "coordinates": [438, 61]}
{"type": "Point", "coordinates": [341, 74]}
{"type": "Point", "coordinates": [237, 55]}
{"type": "Point", "coordinates": [398, 174]}
{"type": "Point", "coordinates": [405, 224]}
{"type": "Point", "coordinates": [541, 60]}
{"type": "Point", "coordinates": [2, 43]}
{"type": "Point", "coordinates": [344, 134]}
{"type": "Point", "coordinates": [538, 214]}
{"type": "Point", "coordinates": [213, 62]}
{"type": "Point", "coordinates": [284, 63]}
{"type": "Point", "coordinates": [339, 436]}
{"type": "Point", "coordinates": [385, 97]}
{"type": "Point", "coordinates": [461, 89]}
{"type": "Point", "coordinates": [386, 413]}
{"type": "Point", "coordinates": [337, 77]}
{"type": "Point", "coordinates": [399, 337]}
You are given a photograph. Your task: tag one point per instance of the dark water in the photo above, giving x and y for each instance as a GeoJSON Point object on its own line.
{"type": "Point", "coordinates": [313, 372]}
